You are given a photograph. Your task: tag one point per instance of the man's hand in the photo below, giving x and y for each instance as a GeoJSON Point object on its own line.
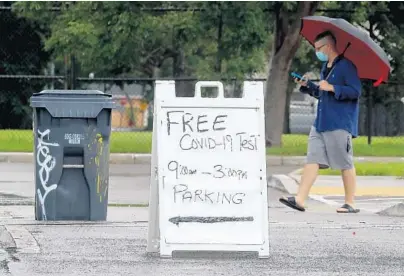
{"type": "Point", "coordinates": [325, 86]}
{"type": "Point", "coordinates": [302, 82]}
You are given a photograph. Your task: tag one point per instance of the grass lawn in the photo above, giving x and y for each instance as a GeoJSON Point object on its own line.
{"type": "Point", "coordinates": [140, 142]}
{"type": "Point", "coordinates": [121, 142]}
{"type": "Point", "coordinates": [381, 146]}
{"type": "Point", "coordinates": [369, 169]}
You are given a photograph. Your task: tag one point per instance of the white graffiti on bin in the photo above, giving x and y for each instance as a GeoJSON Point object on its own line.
{"type": "Point", "coordinates": [46, 163]}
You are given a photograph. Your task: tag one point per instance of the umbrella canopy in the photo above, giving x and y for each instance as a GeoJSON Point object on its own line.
{"type": "Point", "coordinates": [356, 45]}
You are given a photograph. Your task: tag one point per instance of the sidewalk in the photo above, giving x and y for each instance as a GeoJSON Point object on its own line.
{"type": "Point", "coordinates": [382, 186]}
{"type": "Point", "coordinates": [366, 186]}
{"type": "Point", "coordinates": [373, 193]}
{"type": "Point", "coordinates": [143, 158]}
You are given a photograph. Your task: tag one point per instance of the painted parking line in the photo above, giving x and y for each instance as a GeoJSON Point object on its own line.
{"type": "Point", "coordinates": [365, 203]}
{"type": "Point", "coordinates": [390, 199]}
{"type": "Point", "coordinates": [324, 200]}
{"type": "Point", "coordinates": [381, 191]}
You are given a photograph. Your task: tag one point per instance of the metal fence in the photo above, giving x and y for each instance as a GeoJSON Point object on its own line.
{"type": "Point", "coordinates": [131, 120]}
{"type": "Point", "coordinates": [133, 97]}
{"type": "Point", "coordinates": [381, 109]}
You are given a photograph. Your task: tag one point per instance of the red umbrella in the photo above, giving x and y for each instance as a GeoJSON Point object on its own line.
{"type": "Point", "coordinates": [369, 58]}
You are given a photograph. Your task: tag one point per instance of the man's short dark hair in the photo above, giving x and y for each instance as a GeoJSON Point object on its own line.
{"type": "Point", "coordinates": [325, 34]}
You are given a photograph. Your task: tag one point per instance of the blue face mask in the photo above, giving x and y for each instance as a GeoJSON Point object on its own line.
{"type": "Point", "coordinates": [321, 56]}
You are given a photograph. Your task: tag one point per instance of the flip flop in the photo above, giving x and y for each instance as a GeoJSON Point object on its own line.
{"type": "Point", "coordinates": [291, 202]}
{"type": "Point", "coordinates": [348, 208]}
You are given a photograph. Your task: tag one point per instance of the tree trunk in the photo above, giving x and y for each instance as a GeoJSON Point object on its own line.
{"type": "Point", "coordinates": [275, 100]}
{"type": "Point", "coordinates": [156, 72]}
{"type": "Point", "coordinates": [285, 45]}
{"type": "Point", "coordinates": [218, 67]}
{"type": "Point", "coordinates": [183, 88]}
{"type": "Point", "coordinates": [286, 123]}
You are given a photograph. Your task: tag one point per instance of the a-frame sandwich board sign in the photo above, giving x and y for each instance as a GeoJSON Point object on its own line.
{"type": "Point", "coordinates": [208, 189]}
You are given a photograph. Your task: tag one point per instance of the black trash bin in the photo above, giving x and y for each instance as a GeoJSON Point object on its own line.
{"type": "Point", "coordinates": [72, 131]}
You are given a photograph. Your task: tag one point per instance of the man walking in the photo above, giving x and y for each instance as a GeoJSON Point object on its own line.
{"type": "Point", "coordinates": [330, 138]}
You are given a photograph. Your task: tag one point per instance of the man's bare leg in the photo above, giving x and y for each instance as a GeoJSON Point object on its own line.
{"type": "Point", "coordinates": [349, 179]}
{"type": "Point", "coordinates": [310, 172]}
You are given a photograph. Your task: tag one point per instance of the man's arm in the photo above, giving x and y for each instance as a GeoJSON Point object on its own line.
{"type": "Point", "coordinates": [352, 88]}
{"type": "Point", "coordinates": [311, 89]}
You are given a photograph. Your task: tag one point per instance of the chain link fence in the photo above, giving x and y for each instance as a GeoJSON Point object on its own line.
{"type": "Point", "coordinates": [381, 109]}
{"type": "Point", "coordinates": [131, 120]}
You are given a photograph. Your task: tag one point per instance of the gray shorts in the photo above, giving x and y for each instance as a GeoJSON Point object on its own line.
{"type": "Point", "coordinates": [330, 149]}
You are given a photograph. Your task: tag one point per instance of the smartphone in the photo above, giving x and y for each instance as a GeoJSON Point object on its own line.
{"type": "Point", "coordinates": [297, 76]}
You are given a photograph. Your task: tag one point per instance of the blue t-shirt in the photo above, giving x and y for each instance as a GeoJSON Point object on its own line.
{"type": "Point", "coordinates": [339, 110]}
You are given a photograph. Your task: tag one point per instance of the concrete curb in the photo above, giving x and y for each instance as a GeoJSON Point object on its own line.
{"type": "Point", "coordinates": [139, 158]}
{"type": "Point", "coordinates": [393, 211]}
{"type": "Point", "coordinates": [282, 183]}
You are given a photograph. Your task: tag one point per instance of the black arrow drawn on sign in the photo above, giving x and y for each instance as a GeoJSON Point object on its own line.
{"type": "Point", "coordinates": [178, 220]}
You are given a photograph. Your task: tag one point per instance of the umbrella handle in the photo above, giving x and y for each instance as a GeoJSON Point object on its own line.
{"type": "Point", "coordinates": [378, 82]}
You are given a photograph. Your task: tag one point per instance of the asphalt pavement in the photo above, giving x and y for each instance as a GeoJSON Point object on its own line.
{"type": "Point", "coordinates": [317, 242]}
{"type": "Point", "coordinates": [128, 183]}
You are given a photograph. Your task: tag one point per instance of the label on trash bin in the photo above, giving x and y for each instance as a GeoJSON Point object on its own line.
{"type": "Point", "coordinates": [212, 168]}
{"type": "Point", "coordinates": [74, 138]}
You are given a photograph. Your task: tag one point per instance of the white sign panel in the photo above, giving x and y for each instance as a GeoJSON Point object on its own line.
{"type": "Point", "coordinates": [208, 172]}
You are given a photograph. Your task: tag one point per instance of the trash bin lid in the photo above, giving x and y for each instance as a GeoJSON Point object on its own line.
{"type": "Point", "coordinates": [73, 103]}
{"type": "Point", "coordinates": [72, 92]}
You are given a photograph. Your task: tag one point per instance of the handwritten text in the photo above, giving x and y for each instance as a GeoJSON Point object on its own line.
{"type": "Point", "coordinates": [179, 169]}
{"type": "Point", "coordinates": [199, 123]}
{"type": "Point", "coordinates": [183, 194]}
{"type": "Point", "coordinates": [221, 172]}
{"type": "Point", "coordinates": [218, 171]}
{"type": "Point", "coordinates": [239, 142]}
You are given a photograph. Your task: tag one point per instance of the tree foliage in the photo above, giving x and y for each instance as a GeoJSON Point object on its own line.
{"type": "Point", "coordinates": [209, 40]}
{"type": "Point", "coordinates": [21, 53]}
{"type": "Point", "coordinates": [120, 38]}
